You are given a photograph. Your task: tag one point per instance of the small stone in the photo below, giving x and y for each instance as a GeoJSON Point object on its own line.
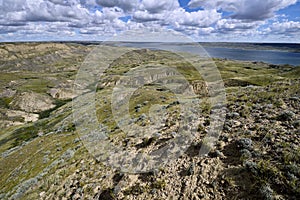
{"type": "Point", "coordinates": [76, 196]}
{"type": "Point", "coordinates": [157, 135]}
{"type": "Point", "coordinates": [76, 140]}
{"type": "Point", "coordinates": [295, 98]}
{"type": "Point", "coordinates": [42, 194]}
{"type": "Point", "coordinates": [142, 117]}
{"type": "Point", "coordinates": [236, 123]}
{"type": "Point", "coordinates": [269, 106]}
{"type": "Point", "coordinates": [46, 159]}
{"type": "Point", "coordinates": [138, 106]}
{"type": "Point", "coordinates": [174, 134]}
{"type": "Point", "coordinates": [41, 133]}
{"type": "Point", "coordinates": [221, 145]}
{"type": "Point", "coordinates": [233, 115]}
{"type": "Point", "coordinates": [96, 190]}
{"type": "Point", "coordinates": [58, 149]}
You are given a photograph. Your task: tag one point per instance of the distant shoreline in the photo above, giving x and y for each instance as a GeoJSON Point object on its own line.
{"type": "Point", "coordinates": [271, 53]}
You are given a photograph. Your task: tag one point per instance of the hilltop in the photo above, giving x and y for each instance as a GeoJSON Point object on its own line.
{"type": "Point", "coordinates": [257, 155]}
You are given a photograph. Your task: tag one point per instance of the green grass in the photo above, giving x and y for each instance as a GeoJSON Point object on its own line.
{"type": "Point", "coordinates": [58, 103]}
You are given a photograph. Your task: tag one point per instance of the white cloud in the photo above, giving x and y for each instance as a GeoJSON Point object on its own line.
{"type": "Point", "coordinates": [287, 28]}
{"type": "Point", "coordinates": [96, 18]}
{"type": "Point", "coordinates": [201, 18]}
{"type": "Point", "coordinates": [245, 9]}
{"type": "Point", "coordinates": [144, 16]}
{"type": "Point", "coordinates": [112, 13]}
{"type": "Point", "coordinates": [159, 6]}
{"type": "Point", "coordinates": [126, 5]}
{"type": "Point", "coordinates": [235, 25]}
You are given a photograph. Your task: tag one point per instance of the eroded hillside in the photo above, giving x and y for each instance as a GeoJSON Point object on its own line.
{"type": "Point", "coordinates": [257, 155]}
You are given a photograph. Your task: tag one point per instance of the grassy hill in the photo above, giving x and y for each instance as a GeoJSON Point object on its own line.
{"type": "Point", "coordinates": [256, 156]}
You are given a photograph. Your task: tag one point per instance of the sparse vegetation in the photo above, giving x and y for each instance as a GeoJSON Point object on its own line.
{"type": "Point", "coordinates": [257, 156]}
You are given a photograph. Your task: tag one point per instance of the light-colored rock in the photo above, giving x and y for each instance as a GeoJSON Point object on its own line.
{"type": "Point", "coordinates": [8, 93]}
{"type": "Point", "coordinates": [28, 117]}
{"type": "Point", "coordinates": [32, 102]}
{"type": "Point", "coordinates": [61, 93]}
{"type": "Point", "coordinates": [42, 194]}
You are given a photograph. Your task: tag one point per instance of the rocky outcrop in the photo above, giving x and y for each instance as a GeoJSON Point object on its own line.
{"type": "Point", "coordinates": [61, 93]}
{"type": "Point", "coordinates": [32, 102]}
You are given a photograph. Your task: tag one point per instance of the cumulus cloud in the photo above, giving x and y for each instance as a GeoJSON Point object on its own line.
{"type": "Point", "coordinates": [245, 9]}
{"type": "Point", "coordinates": [123, 4]}
{"type": "Point", "coordinates": [287, 27]}
{"type": "Point", "coordinates": [144, 16]}
{"type": "Point", "coordinates": [40, 10]}
{"type": "Point", "coordinates": [158, 6]}
{"type": "Point", "coordinates": [92, 18]}
{"type": "Point", "coordinates": [235, 25]}
{"type": "Point", "coordinates": [155, 10]}
{"type": "Point", "coordinates": [201, 18]}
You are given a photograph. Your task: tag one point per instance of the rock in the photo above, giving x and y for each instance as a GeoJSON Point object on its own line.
{"type": "Point", "coordinates": [138, 106]}
{"type": "Point", "coordinates": [157, 135]}
{"type": "Point", "coordinates": [236, 123]}
{"type": "Point", "coordinates": [32, 102]}
{"type": "Point", "coordinates": [76, 196]}
{"type": "Point", "coordinates": [40, 134]}
{"type": "Point", "coordinates": [8, 93]}
{"type": "Point", "coordinates": [221, 145]}
{"type": "Point", "coordinates": [174, 134]}
{"type": "Point", "coordinates": [61, 93]}
{"type": "Point", "coordinates": [96, 190]}
{"type": "Point", "coordinates": [46, 159]}
{"type": "Point", "coordinates": [68, 154]}
{"type": "Point", "coordinates": [76, 140]}
{"type": "Point", "coordinates": [142, 117]}
{"type": "Point", "coordinates": [295, 98]}
{"type": "Point", "coordinates": [58, 149]}
{"type": "Point", "coordinates": [42, 194]}
{"type": "Point", "coordinates": [233, 115]}
{"type": "Point", "coordinates": [27, 117]}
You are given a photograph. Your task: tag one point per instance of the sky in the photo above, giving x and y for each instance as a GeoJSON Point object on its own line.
{"type": "Point", "coordinates": [201, 20]}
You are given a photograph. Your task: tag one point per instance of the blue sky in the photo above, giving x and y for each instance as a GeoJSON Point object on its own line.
{"type": "Point", "coordinates": [202, 20]}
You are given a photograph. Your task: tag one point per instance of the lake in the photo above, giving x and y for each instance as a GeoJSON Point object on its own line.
{"type": "Point", "coordinates": [268, 56]}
